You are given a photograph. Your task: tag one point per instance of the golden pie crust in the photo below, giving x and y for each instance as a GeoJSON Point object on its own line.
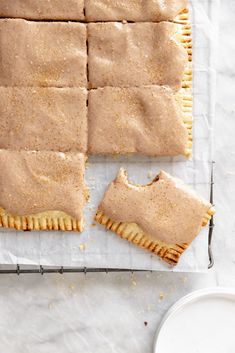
{"type": "Point", "coordinates": [50, 220]}
{"type": "Point", "coordinates": [184, 37]}
{"type": "Point", "coordinates": [186, 99]}
{"type": "Point", "coordinates": [169, 253]}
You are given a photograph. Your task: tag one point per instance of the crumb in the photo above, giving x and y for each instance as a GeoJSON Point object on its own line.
{"type": "Point", "coordinates": [82, 247]}
{"type": "Point", "coordinates": [150, 175]}
{"type": "Point", "coordinates": [124, 22]}
{"type": "Point", "coordinates": [93, 225]}
{"type": "Point", "coordinates": [184, 279]}
{"type": "Point", "coordinates": [145, 323]}
{"type": "Point", "coordinates": [134, 283]}
{"type": "Point", "coordinates": [161, 296]}
{"type": "Point", "coordinates": [50, 306]}
{"type": "Point", "coordinates": [71, 286]}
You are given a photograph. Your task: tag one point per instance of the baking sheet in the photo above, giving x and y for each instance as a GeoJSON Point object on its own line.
{"type": "Point", "coordinates": [96, 247]}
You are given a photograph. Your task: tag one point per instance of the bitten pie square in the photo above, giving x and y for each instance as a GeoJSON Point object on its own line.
{"type": "Point", "coordinates": [43, 9]}
{"type": "Point", "coordinates": [134, 10]}
{"type": "Point", "coordinates": [135, 54]}
{"type": "Point", "coordinates": [163, 217]}
{"type": "Point", "coordinates": [42, 53]}
{"type": "Point", "coordinates": [43, 118]}
{"type": "Point", "coordinates": [42, 190]}
{"type": "Point", "coordinates": [151, 121]}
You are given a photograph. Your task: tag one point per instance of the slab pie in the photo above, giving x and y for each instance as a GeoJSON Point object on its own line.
{"type": "Point", "coordinates": [163, 217]}
{"type": "Point", "coordinates": [151, 121]}
{"type": "Point", "coordinates": [136, 54]}
{"type": "Point", "coordinates": [43, 119]}
{"type": "Point", "coordinates": [42, 190]}
{"type": "Point", "coordinates": [48, 54]}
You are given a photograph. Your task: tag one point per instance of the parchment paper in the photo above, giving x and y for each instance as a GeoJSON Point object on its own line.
{"type": "Point", "coordinates": [97, 248]}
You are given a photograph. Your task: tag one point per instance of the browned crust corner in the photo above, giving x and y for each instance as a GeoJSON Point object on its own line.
{"type": "Point", "coordinates": [51, 220]}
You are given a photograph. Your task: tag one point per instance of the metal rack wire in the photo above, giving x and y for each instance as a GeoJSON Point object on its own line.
{"type": "Point", "coordinates": [18, 270]}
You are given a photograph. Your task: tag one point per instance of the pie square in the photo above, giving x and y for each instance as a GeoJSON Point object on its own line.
{"type": "Point", "coordinates": [152, 121]}
{"type": "Point", "coordinates": [134, 10]}
{"type": "Point", "coordinates": [43, 118]}
{"type": "Point", "coordinates": [135, 54]}
{"type": "Point", "coordinates": [42, 53]}
{"type": "Point", "coordinates": [43, 9]}
{"type": "Point", "coordinates": [42, 190]}
{"type": "Point", "coordinates": [163, 217]}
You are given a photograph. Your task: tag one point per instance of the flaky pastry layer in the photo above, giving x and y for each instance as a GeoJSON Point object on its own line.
{"type": "Point", "coordinates": [169, 253]}
{"type": "Point", "coordinates": [50, 220]}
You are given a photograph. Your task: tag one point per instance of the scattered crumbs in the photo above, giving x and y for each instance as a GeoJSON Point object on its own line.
{"type": "Point", "coordinates": [133, 283]}
{"type": "Point", "coordinates": [72, 286]}
{"type": "Point", "coordinates": [184, 279]}
{"type": "Point", "coordinates": [50, 306]}
{"type": "Point", "coordinates": [87, 165]}
{"type": "Point", "coordinates": [145, 323]}
{"type": "Point", "coordinates": [82, 247]}
{"type": "Point", "coordinates": [93, 224]}
{"type": "Point", "coordinates": [161, 296]}
{"type": "Point", "coordinates": [150, 175]}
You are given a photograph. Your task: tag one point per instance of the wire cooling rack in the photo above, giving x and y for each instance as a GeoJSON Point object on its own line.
{"type": "Point", "coordinates": [18, 270]}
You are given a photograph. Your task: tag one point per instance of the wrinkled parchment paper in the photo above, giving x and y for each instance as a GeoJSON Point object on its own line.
{"type": "Point", "coordinates": [97, 248]}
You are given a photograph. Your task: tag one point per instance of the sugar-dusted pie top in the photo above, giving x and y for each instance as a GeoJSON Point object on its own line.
{"type": "Point", "coordinates": [34, 182]}
{"type": "Point", "coordinates": [134, 10]}
{"type": "Point", "coordinates": [144, 120]}
{"type": "Point", "coordinates": [165, 209]}
{"type": "Point", "coordinates": [43, 118]}
{"type": "Point", "coordinates": [45, 54]}
{"type": "Point", "coordinates": [43, 9]}
{"type": "Point", "coordinates": [135, 54]}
